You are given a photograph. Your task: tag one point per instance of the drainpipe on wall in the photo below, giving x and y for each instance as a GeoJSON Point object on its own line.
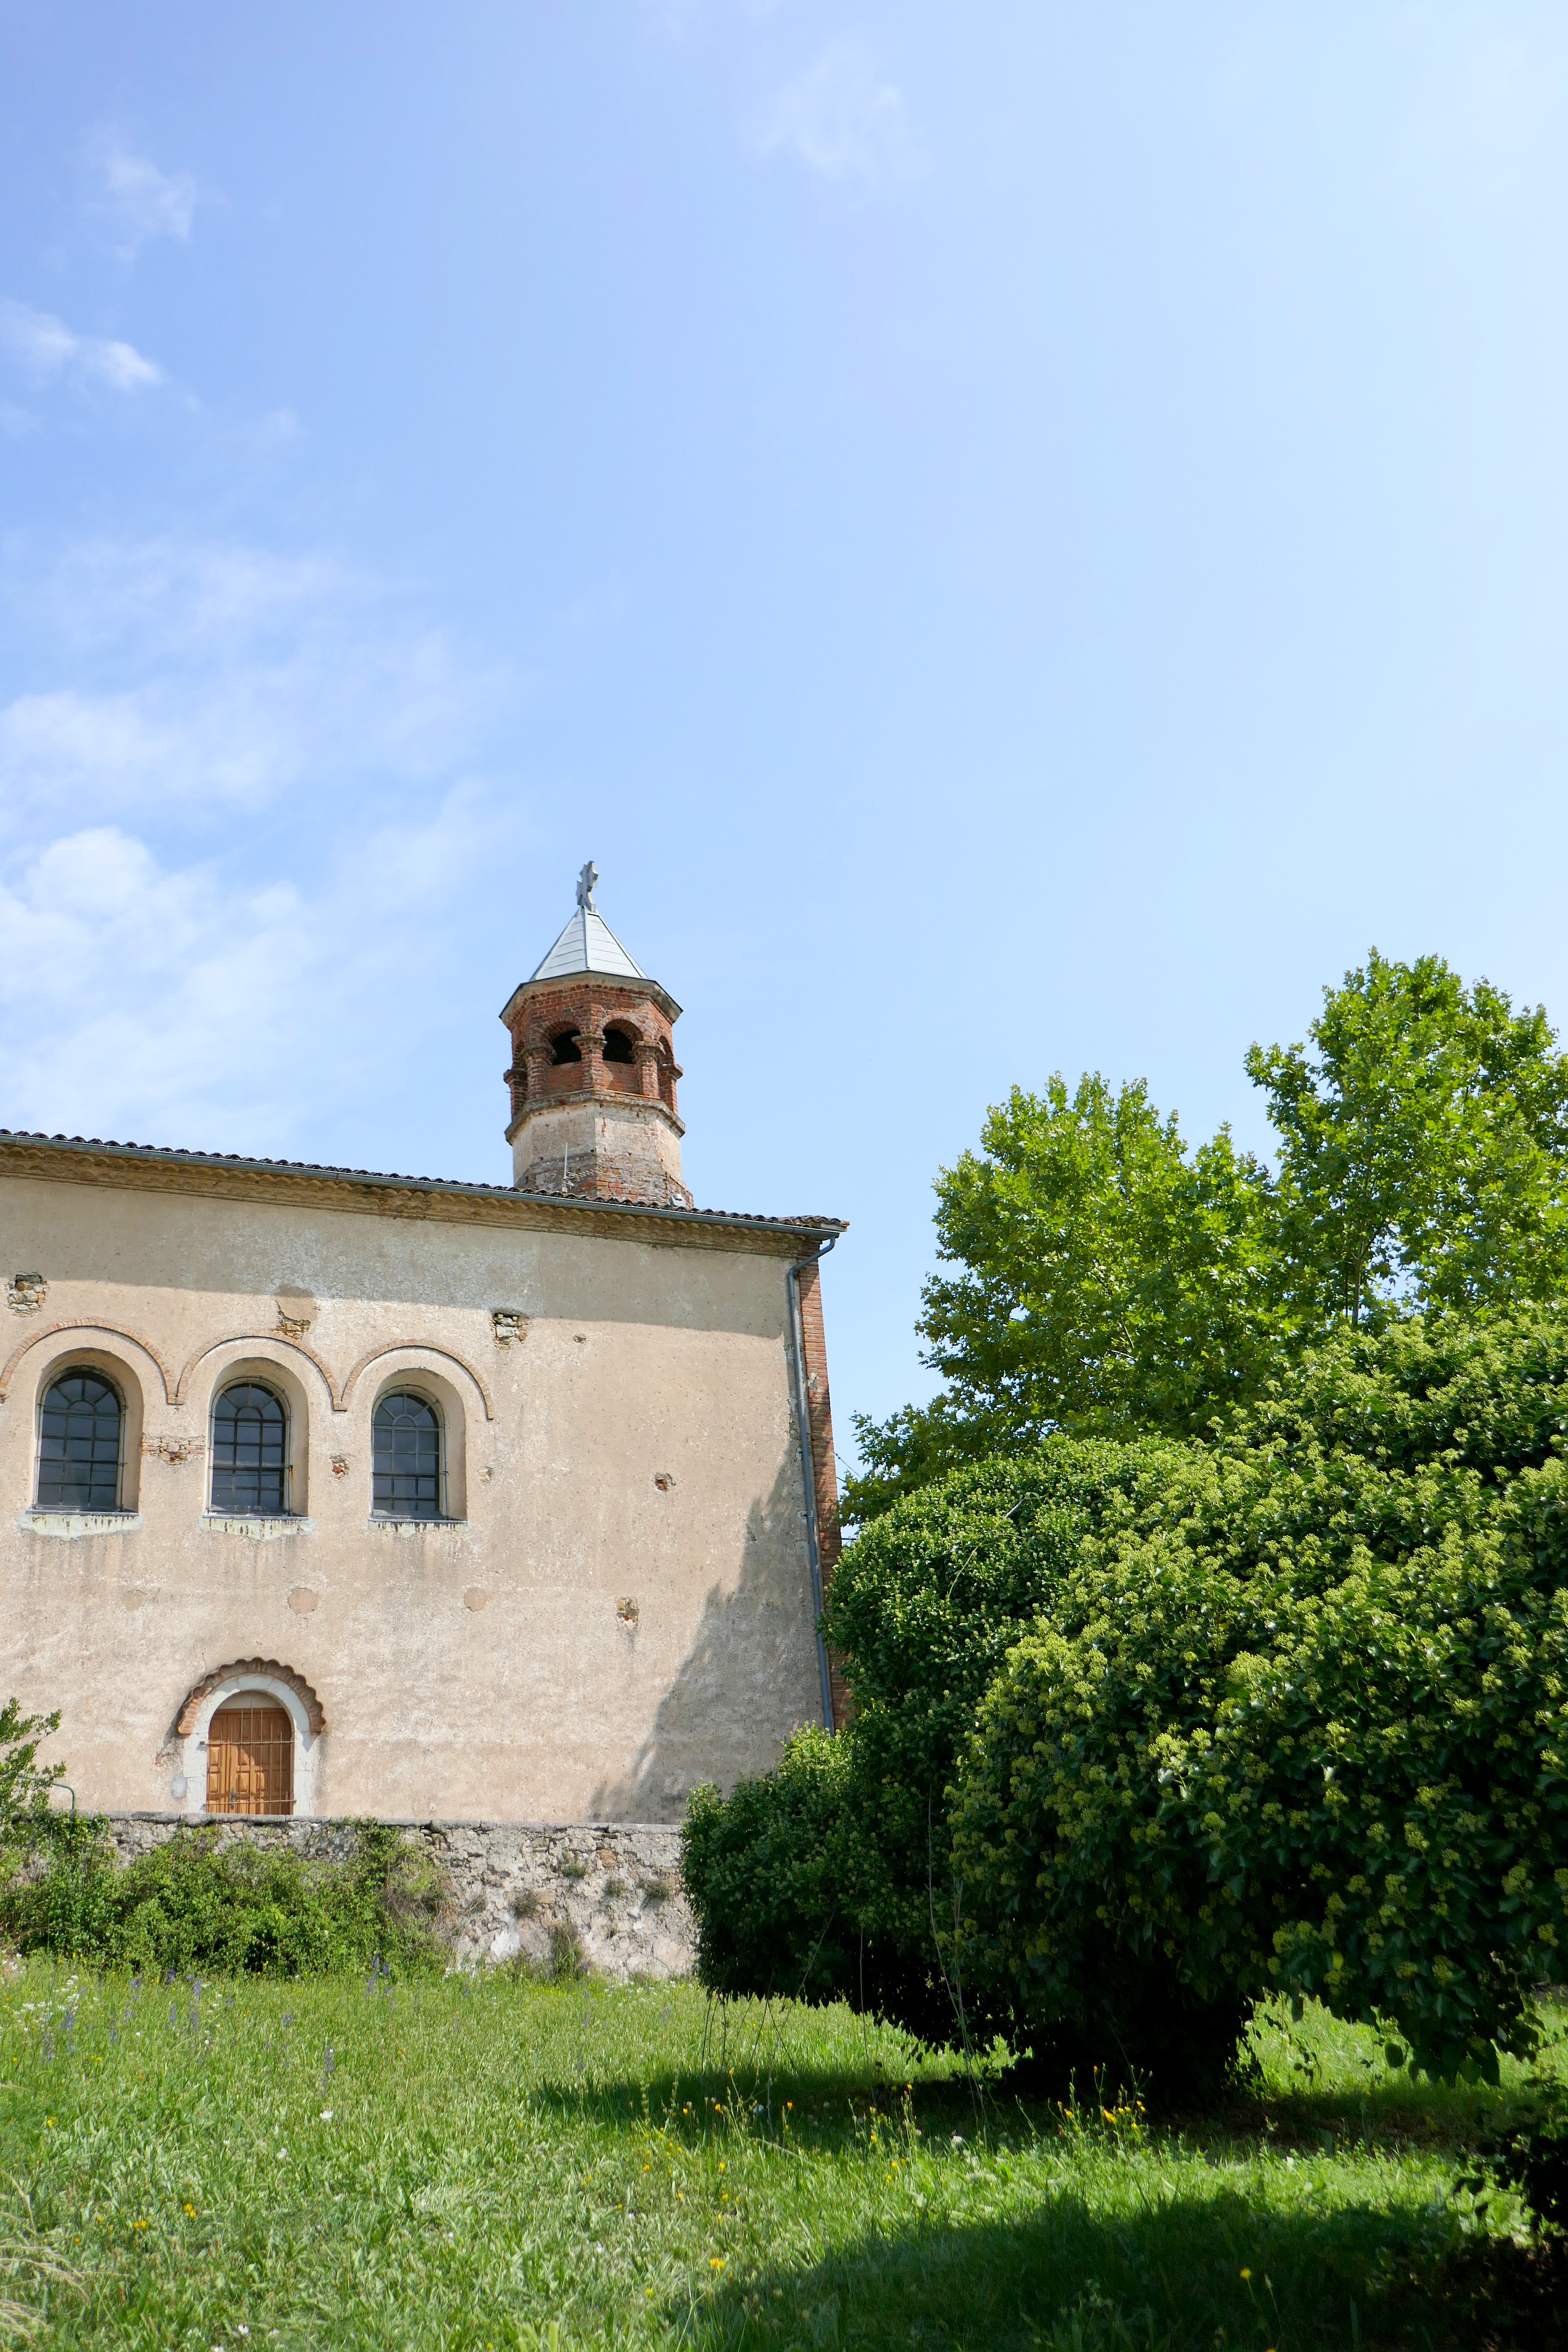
{"type": "Point", "coordinates": [808, 1463]}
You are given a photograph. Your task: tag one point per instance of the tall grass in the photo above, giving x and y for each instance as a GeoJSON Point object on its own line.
{"type": "Point", "coordinates": [357, 2162]}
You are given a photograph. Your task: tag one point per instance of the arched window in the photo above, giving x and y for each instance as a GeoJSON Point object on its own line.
{"type": "Point", "coordinates": [564, 1048]}
{"type": "Point", "coordinates": [250, 1755]}
{"type": "Point", "coordinates": [250, 1452]}
{"type": "Point", "coordinates": [79, 1443]}
{"type": "Point", "coordinates": [405, 1476]}
{"type": "Point", "coordinates": [618, 1046]}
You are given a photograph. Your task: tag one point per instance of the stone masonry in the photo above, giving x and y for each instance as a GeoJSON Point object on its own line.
{"type": "Point", "coordinates": [616, 1884]}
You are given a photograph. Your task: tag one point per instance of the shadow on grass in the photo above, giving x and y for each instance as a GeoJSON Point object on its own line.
{"type": "Point", "coordinates": [1185, 2275]}
{"type": "Point", "coordinates": [1431, 2118]}
{"type": "Point", "coordinates": [818, 2109]}
{"type": "Point", "coordinates": [825, 2103]}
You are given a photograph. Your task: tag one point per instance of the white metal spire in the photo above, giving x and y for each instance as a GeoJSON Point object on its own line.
{"type": "Point", "coordinates": [587, 943]}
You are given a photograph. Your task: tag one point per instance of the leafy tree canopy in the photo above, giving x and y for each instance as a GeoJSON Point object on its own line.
{"type": "Point", "coordinates": [1108, 1278]}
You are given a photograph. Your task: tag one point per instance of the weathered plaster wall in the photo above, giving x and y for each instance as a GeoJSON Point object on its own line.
{"type": "Point", "coordinates": [615, 1148]}
{"type": "Point", "coordinates": [623, 1607]}
{"type": "Point", "coordinates": [616, 1886]}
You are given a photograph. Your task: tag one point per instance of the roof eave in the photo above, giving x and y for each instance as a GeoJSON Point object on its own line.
{"type": "Point", "coordinates": [433, 1188]}
{"type": "Point", "coordinates": [571, 980]}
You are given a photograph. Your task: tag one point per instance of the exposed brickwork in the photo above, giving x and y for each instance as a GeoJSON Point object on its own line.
{"type": "Point", "coordinates": [585, 1007]}
{"type": "Point", "coordinates": [186, 1719]}
{"type": "Point", "coordinates": [824, 1464]}
{"type": "Point", "coordinates": [616, 1174]}
{"type": "Point", "coordinates": [625, 1080]}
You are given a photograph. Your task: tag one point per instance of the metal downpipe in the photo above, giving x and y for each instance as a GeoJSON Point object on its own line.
{"type": "Point", "coordinates": [808, 1464]}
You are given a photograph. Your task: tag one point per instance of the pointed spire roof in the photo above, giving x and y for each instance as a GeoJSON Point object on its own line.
{"type": "Point", "coordinates": [587, 943]}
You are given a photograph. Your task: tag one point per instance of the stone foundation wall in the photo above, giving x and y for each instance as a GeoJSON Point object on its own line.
{"type": "Point", "coordinates": [616, 1884]}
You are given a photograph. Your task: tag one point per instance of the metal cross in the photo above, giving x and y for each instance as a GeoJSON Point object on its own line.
{"type": "Point", "coordinates": [585, 881]}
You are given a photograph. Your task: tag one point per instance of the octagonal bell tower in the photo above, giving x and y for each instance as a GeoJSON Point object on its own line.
{"type": "Point", "coordinates": [593, 1073]}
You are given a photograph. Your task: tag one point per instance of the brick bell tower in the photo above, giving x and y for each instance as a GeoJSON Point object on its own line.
{"type": "Point", "coordinates": [593, 1071]}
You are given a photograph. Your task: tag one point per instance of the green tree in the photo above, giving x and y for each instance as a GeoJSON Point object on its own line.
{"type": "Point", "coordinates": [1424, 1150]}
{"type": "Point", "coordinates": [1111, 1280]}
{"type": "Point", "coordinates": [1108, 1278]}
{"type": "Point", "coordinates": [23, 1783]}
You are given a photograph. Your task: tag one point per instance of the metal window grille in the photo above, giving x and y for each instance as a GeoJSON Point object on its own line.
{"type": "Point", "coordinates": [250, 1450]}
{"type": "Point", "coordinates": [79, 1445]}
{"type": "Point", "coordinates": [250, 1759]}
{"type": "Point", "coordinates": [405, 1473]}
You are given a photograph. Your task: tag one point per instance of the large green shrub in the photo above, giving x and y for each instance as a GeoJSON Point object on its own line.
{"type": "Point", "coordinates": [1300, 1723]}
{"type": "Point", "coordinates": [760, 1868]}
{"type": "Point", "coordinates": [924, 1611]}
{"type": "Point", "coordinates": [187, 1906]}
{"type": "Point", "coordinates": [834, 1873]}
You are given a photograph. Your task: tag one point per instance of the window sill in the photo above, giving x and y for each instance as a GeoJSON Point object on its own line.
{"type": "Point", "coordinates": [60, 1521]}
{"type": "Point", "coordinates": [258, 1527]}
{"type": "Point", "coordinates": [405, 1527]}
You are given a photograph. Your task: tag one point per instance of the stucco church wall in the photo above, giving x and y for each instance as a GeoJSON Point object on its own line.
{"type": "Point", "coordinates": [621, 1608]}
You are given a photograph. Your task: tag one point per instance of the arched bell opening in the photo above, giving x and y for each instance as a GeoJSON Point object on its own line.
{"type": "Point", "coordinates": [620, 1058]}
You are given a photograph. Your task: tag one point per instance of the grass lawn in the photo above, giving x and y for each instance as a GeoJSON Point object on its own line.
{"type": "Point", "coordinates": [341, 2163]}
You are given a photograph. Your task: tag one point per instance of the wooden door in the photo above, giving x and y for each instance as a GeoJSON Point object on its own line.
{"type": "Point", "coordinates": [250, 1759]}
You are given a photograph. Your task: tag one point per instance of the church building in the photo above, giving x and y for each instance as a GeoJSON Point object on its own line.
{"type": "Point", "coordinates": [332, 1494]}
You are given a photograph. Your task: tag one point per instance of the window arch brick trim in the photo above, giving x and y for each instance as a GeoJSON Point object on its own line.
{"type": "Point", "coordinates": [185, 1721]}
{"type": "Point", "coordinates": [417, 1348]}
{"type": "Point", "coordinates": [257, 1340]}
{"type": "Point", "coordinates": [112, 1330]}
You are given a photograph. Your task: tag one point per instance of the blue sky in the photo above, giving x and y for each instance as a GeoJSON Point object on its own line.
{"type": "Point", "coordinates": [1019, 537]}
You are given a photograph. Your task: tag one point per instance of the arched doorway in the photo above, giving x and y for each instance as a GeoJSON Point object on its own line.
{"type": "Point", "coordinates": [250, 1755]}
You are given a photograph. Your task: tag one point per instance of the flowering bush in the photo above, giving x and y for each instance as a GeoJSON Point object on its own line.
{"type": "Point", "coordinates": [1299, 1721]}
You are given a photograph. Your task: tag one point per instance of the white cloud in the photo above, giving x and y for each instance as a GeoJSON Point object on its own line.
{"type": "Point", "coordinates": [45, 348]}
{"type": "Point", "coordinates": [134, 199]}
{"type": "Point", "coordinates": [844, 120]}
{"type": "Point", "coordinates": [123, 978]}
{"type": "Point", "coordinates": [210, 674]}
{"type": "Point", "coordinates": [236, 803]}
{"type": "Point", "coordinates": [129, 979]}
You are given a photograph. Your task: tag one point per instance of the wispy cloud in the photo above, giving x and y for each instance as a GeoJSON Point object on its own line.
{"type": "Point", "coordinates": [130, 977]}
{"type": "Point", "coordinates": [175, 671]}
{"type": "Point", "coordinates": [239, 800]}
{"type": "Point", "coordinates": [844, 120]}
{"type": "Point", "coordinates": [132, 198]}
{"type": "Point", "coordinates": [46, 349]}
